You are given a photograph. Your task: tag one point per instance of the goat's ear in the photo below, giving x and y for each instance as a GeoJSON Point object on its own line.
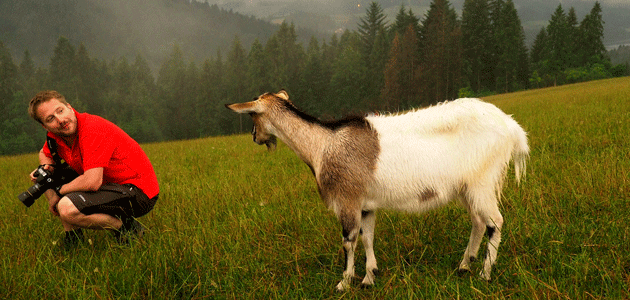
{"type": "Point", "coordinates": [283, 94]}
{"type": "Point", "coordinates": [244, 108]}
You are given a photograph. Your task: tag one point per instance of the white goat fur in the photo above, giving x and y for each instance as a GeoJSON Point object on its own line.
{"type": "Point", "coordinates": [465, 141]}
{"type": "Point", "coordinates": [424, 158]}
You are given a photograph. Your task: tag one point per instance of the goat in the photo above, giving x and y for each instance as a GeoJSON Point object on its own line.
{"type": "Point", "coordinates": [411, 162]}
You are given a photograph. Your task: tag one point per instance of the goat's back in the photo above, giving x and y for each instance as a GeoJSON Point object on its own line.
{"type": "Point", "coordinates": [439, 150]}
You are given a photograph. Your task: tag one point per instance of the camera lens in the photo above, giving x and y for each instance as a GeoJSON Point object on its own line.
{"type": "Point", "coordinates": [26, 198]}
{"type": "Point", "coordinates": [37, 190]}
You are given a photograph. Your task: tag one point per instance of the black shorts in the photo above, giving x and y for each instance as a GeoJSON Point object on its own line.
{"type": "Point", "coordinates": [118, 200]}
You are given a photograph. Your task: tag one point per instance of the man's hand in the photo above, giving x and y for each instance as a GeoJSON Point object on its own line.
{"type": "Point", "coordinates": [33, 178]}
{"type": "Point", "coordinates": [53, 199]}
{"type": "Point", "coordinates": [47, 167]}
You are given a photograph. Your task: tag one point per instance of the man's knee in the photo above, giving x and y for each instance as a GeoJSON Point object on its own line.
{"type": "Point", "coordinates": [67, 210]}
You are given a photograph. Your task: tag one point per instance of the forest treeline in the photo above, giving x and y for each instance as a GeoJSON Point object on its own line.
{"type": "Point", "coordinates": [411, 62]}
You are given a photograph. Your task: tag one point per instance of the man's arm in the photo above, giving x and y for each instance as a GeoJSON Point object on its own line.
{"type": "Point", "coordinates": [90, 181]}
{"type": "Point", "coordinates": [45, 160]}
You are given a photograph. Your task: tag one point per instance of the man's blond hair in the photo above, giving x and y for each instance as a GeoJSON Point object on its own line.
{"type": "Point", "coordinates": [42, 97]}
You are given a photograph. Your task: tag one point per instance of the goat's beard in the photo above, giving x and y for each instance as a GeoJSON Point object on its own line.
{"type": "Point", "coordinates": [271, 144]}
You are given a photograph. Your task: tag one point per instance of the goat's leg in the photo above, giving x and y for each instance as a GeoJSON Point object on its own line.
{"type": "Point", "coordinates": [368, 221]}
{"type": "Point", "coordinates": [483, 203]}
{"type": "Point", "coordinates": [476, 235]}
{"type": "Point", "coordinates": [494, 222]}
{"type": "Point", "coordinates": [350, 222]}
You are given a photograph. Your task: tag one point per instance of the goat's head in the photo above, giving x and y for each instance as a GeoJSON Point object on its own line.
{"type": "Point", "coordinates": [258, 109]}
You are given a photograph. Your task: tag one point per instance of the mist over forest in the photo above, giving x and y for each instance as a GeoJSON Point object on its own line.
{"type": "Point", "coordinates": [126, 28]}
{"type": "Point", "coordinates": [111, 29]}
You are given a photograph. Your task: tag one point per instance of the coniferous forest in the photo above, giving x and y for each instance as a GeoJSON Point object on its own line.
{"type": "Point", "coordinates": [411, 62]}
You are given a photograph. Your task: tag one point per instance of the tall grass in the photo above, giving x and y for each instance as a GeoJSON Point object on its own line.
{"type": "Point", "coordinates": [236, 222]}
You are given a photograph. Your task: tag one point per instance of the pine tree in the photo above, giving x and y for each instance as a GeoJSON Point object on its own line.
{"type": "Point", "coordinates": [286, 58]}
{"type": "Point", "coordinates": [142, 73]}
{"type": "Point", "coordinates": [29, 134]}
{"type": "Point", "coordinates": [171, 93]}
{"type": "Point", "coordinates": [347, 82]}
{"type": "Point", "coordinates": [257, 70]}
{"type": "Point", "coordinates": [145, 112]}
{"type": "Point", "coordinates": [557, 31]}
{"type": "Point", "coordinates": [28, 75]}
{"type": "Point", "coordinates": [512, 66]}
{"type": "Point", "coordinates": [402, 22]}
{"type": "Point", "coordinates": [441, 50]}
{"type": "Point", "coordinates": [402, 72]}
{"type": "Point", "coordinates": [478, 45]}
{"type": "Point", "coordinates": [592, 35]}
{"type": "Point", "coordinates": [211, 110]}
{"type": "Point", "coordinates": [236, 71]}
{"type": "Point", "coordinates": [392, 89]}
{"type": "Point", "coordinates": [117, 105]}
{"type": "Point", "coordinates": [62, 74]}
{"type": "Point", "coordinates": [369, 28]}
{"type": "Point", "coordinates": [378, 58]}
{"type": "Point", "coordinates": [27, 67]}
{"type": "Point", "coordinates": [19, 134]}
{"type": "Point", "coordinates": [87, 89]}
{"type": "Point", "coordinates": [8, 76]}
{"type": "Point", "coordinates": [11, 105]}
{"type": "Point", "coordinates": [573, 40]}
{"type": "Point", "coordinates": [313, 89]}
{"type": "Point", "coordinates": [539, 58]}
{"type": "Point", "coordinates": [329, 55]}
{"type": "Point", "coordinates": [374, 49]}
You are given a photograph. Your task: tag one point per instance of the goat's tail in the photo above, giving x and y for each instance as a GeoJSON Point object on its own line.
{"type": "Point", "coordinates": [520, 154]}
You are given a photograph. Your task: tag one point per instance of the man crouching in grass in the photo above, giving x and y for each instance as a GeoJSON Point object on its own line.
{"type": "Point", "coordinates": [116, 182]}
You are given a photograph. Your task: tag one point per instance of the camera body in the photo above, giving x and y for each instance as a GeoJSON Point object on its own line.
{"type": "Point", "coordinates": [45, 180]}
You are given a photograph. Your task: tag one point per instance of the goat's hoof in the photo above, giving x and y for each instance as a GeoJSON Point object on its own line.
{"type": "Point", "coordinates": [463, 272]}
{"type": "Point", "coordinates": [464, 269]}
{"type": "Point", "coordinates": [343, 286]}
{"type": "Point", "coordinates": [366, 285]}
{"type": "Point", "coordinates": [485, 277]}
{"type": "Point", "coordinates": [368, 281]}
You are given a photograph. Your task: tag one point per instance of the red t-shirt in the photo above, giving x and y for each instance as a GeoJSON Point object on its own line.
{"type": "Point", "coordinates": [100, 143]}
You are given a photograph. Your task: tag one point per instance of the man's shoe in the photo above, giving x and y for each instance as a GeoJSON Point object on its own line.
{"type": "Point", "coordinates": [130, 230]}
{"type": "Point", "coordinates": [72, 239]}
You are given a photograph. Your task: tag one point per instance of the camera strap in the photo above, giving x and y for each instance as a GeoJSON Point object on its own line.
{"type": "Point", "coordinates": [52, 146]}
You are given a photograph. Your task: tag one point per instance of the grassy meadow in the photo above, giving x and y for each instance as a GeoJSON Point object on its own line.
{"type": "Point", "coordinates": [237, 222]}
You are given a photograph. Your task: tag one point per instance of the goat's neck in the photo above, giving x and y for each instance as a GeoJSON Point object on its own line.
{"type": "Point", "coordinates": [306, 139]}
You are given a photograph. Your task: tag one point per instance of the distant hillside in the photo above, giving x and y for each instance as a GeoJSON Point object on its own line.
{"type": "Point", "coordinates": [111, 29]}
{"type": "Point", "coordinates": [331, 15]}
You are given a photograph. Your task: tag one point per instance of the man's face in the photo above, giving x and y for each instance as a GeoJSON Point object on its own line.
{"type": "Point", "coordinates": [57, 118]}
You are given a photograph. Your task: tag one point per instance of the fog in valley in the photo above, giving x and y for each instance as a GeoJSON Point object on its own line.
{"type": "Point", "coordinates": [111, 29]}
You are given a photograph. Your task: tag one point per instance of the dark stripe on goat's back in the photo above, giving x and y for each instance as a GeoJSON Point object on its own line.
{"type": "Point", "coordinates": [348, 163]}
{"type": "Point", "coordinates": [349, 121]}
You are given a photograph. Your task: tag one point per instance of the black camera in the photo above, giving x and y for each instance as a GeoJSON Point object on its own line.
{"type": "Point", "coordinates": [44, 181]}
